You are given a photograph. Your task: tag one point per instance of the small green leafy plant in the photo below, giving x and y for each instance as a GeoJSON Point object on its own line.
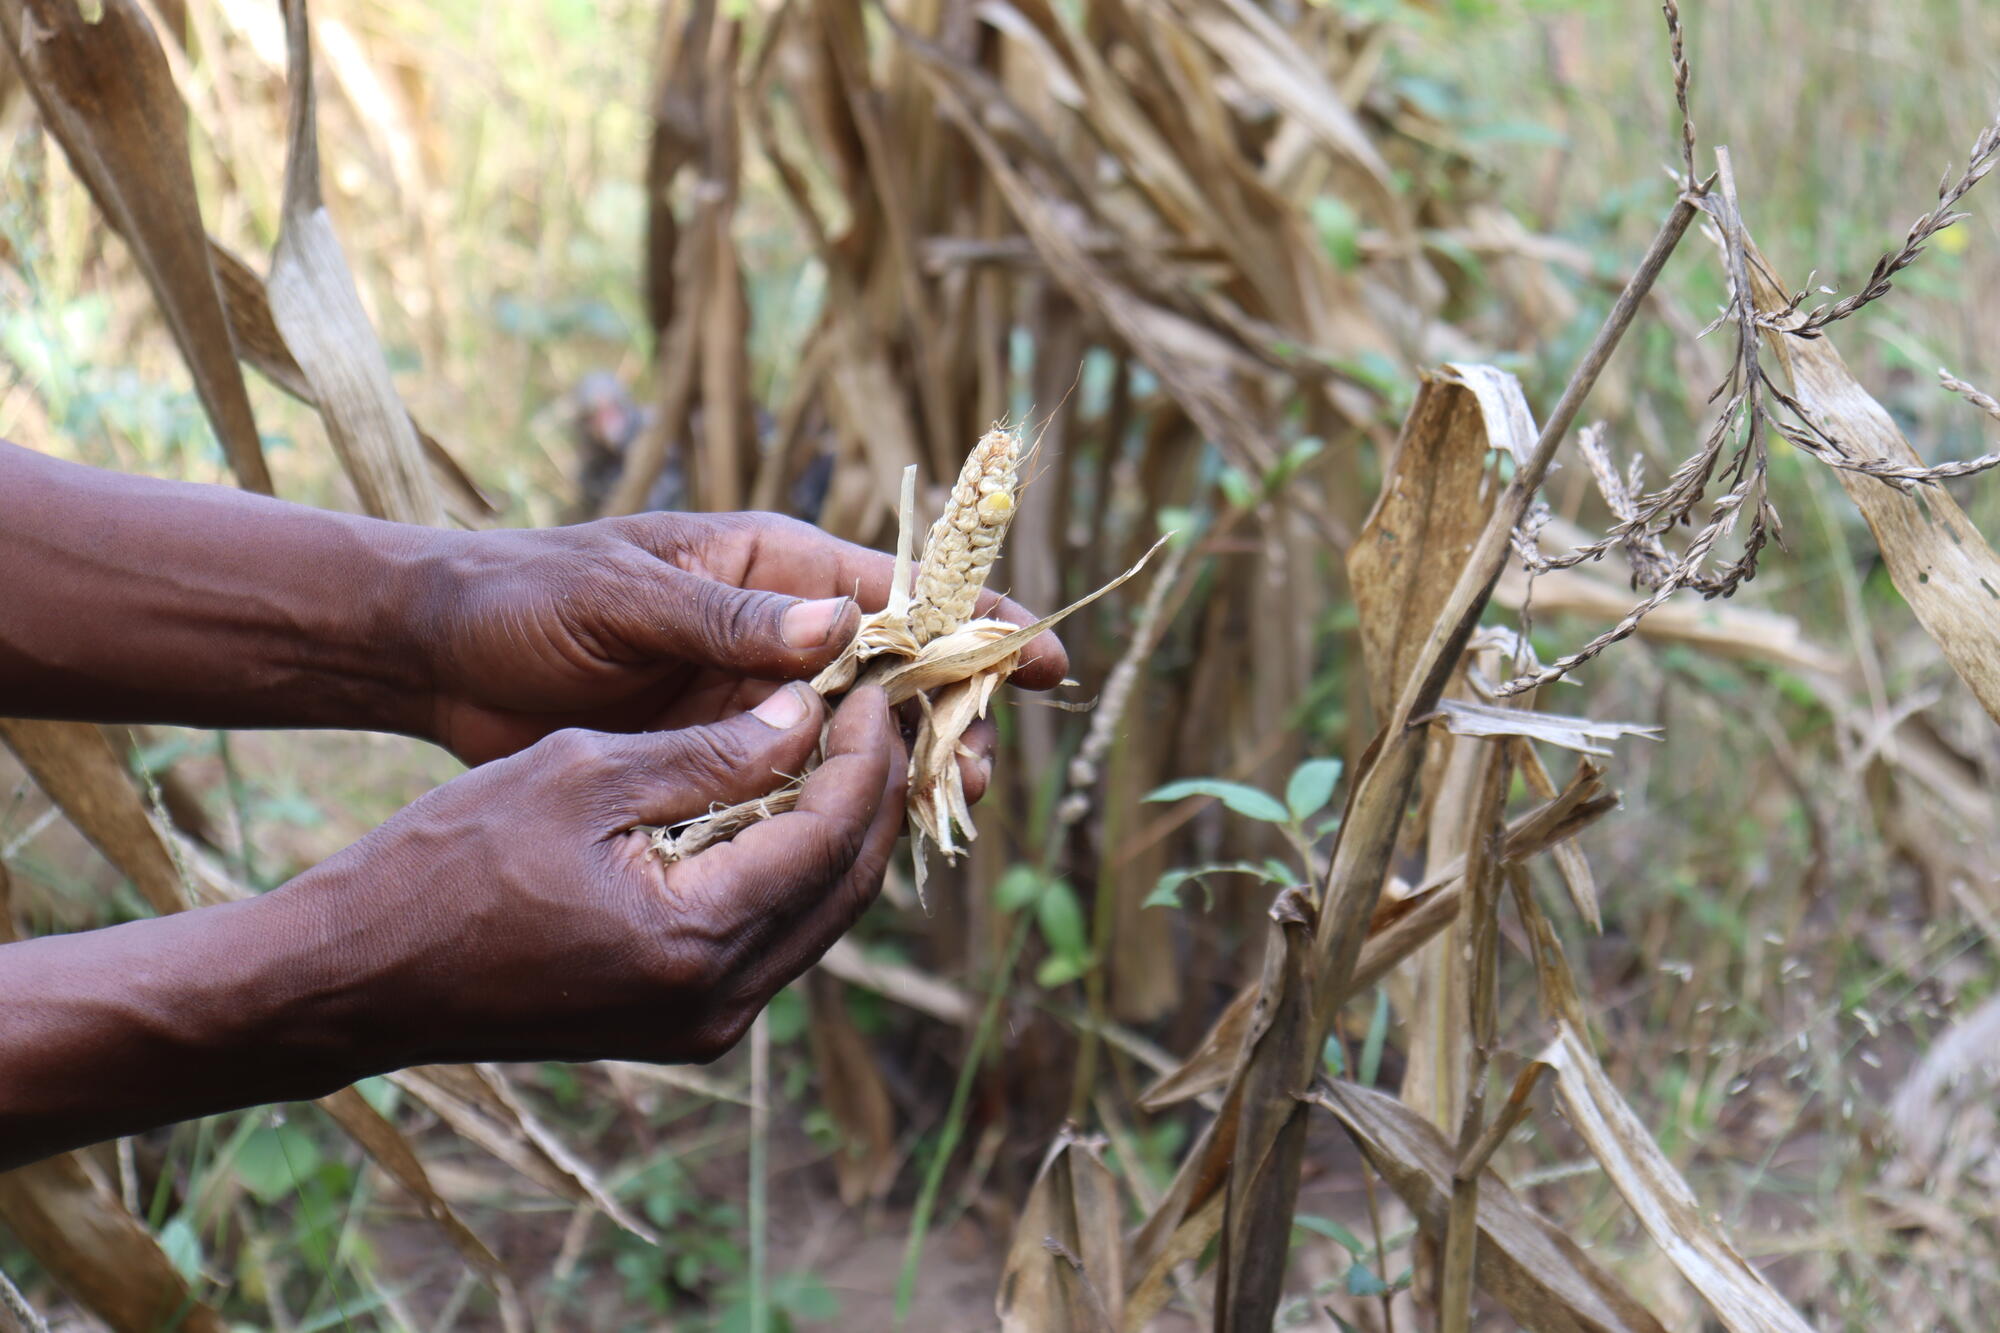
{"type": "Point", "coordinates": [1301, 816]}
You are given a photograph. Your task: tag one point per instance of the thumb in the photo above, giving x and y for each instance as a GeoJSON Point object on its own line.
{"type": "Point", "coordinates": [745, 631]}
{"type": "Point", "coordinates": [664, 777]}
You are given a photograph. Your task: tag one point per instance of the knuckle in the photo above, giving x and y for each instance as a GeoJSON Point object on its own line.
{"type": "Point", "coordinates": [569, 752]}
{"type": "Point", "coordinates": [580, 764]}
{"type": "Point", "coordinates": [722, 1032]}
{"type": "Point", "coordinates": [696, 969]}
{"type": "Point", "coordinates": [716, 1040]}
{"type": "Point", "coordinates": [711, 757]}
{"type": "Point", "coordinates": [834, 845]}
{"type": "Point", "coordinates": [735, 620]}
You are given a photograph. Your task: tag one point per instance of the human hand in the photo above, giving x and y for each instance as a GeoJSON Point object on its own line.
{"type": "Point", "coordinates": [654, 621]}
{"type": "Point", "coordinates": [515, 913]}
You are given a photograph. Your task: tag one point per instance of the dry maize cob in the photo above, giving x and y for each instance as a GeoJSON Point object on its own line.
{"type": "Point", "coordinates": [966, 539]}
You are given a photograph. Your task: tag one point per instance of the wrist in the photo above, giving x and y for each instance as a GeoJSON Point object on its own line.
{"type": "Point", "coordinates": [316, 989]}
{"type": "Point", "coordinates": [385, 636]}
{"type": "Point", "coordinates": [110, 1031]}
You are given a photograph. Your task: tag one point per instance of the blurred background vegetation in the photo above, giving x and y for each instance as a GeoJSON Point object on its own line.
{"type": "Point", "coordinates": [1782, 941]}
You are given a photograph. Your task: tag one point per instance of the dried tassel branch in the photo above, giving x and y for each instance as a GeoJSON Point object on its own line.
{"type": "Point", "coordinates": [1749, 416]}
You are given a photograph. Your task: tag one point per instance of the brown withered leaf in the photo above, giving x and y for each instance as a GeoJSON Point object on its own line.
{"type": "Point", "coordinates": [480, 1106]}
{"type": "Point", "coordinates": [84, 1237]}
{"type": "Point", "coordinates": [1065, 1268]}
{"type": "Point", "coordinates": [853, 1093]}
{"type": "Point", "coordinates": [1426, 565]}
{"type": "Point", "coordinates": [75, 765]}
{"type": "Point", "coordinates": [1279, 1051]}
{"type": "Point", "coordinates": [259, 344]}
{"type": "Point", "coordinates": [1205, 373]}
{"type": "Point", "coordinates": [105, 91]}
{"type": "Point", "coordinates": [1657, 1193]}
{"type": "Point", "coordinates": [382, 1141]}
{"type": "Point", "coordinates": [1184, 1245]}
{"type": "Point", "coordinates": [1525, 1262]}
{"type": "Point", "coordinates": [1438, 493]}
{"type": "Point", "coordinates": [1214, 1058]}
{"type": "Point", "coordinates": [1467, 717]}
{"type": "Point", "coordinates": [1562, 810]}
{"type": "Point", "coordinates": [1743, 1301]}
{"type": "Point", "coordinates": [1935, 555]}
{"type": "Point", "coordinates": [317, 308]}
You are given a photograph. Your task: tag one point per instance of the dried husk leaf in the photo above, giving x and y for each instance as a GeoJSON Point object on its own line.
{"type": "Point", "coordinates": [978, 657]}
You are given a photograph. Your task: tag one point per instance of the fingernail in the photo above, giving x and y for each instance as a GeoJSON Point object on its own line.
{"type": "Point", "coordinates": [807, 624]}
{"type": "Point", "coordinates": [783, 710]}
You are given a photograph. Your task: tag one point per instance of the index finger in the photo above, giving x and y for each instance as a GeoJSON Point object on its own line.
{"type": "Point", "coordinates": [784, 555]}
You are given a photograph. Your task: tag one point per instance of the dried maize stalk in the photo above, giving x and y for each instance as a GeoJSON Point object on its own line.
{"type": "Point", "coordinates": [925, 645]}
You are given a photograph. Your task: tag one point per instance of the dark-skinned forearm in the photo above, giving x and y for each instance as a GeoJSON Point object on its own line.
{"type": "Point", "coordinates": [134, 599]}
{"type": "Point", "coordinates": [108, 1032]}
